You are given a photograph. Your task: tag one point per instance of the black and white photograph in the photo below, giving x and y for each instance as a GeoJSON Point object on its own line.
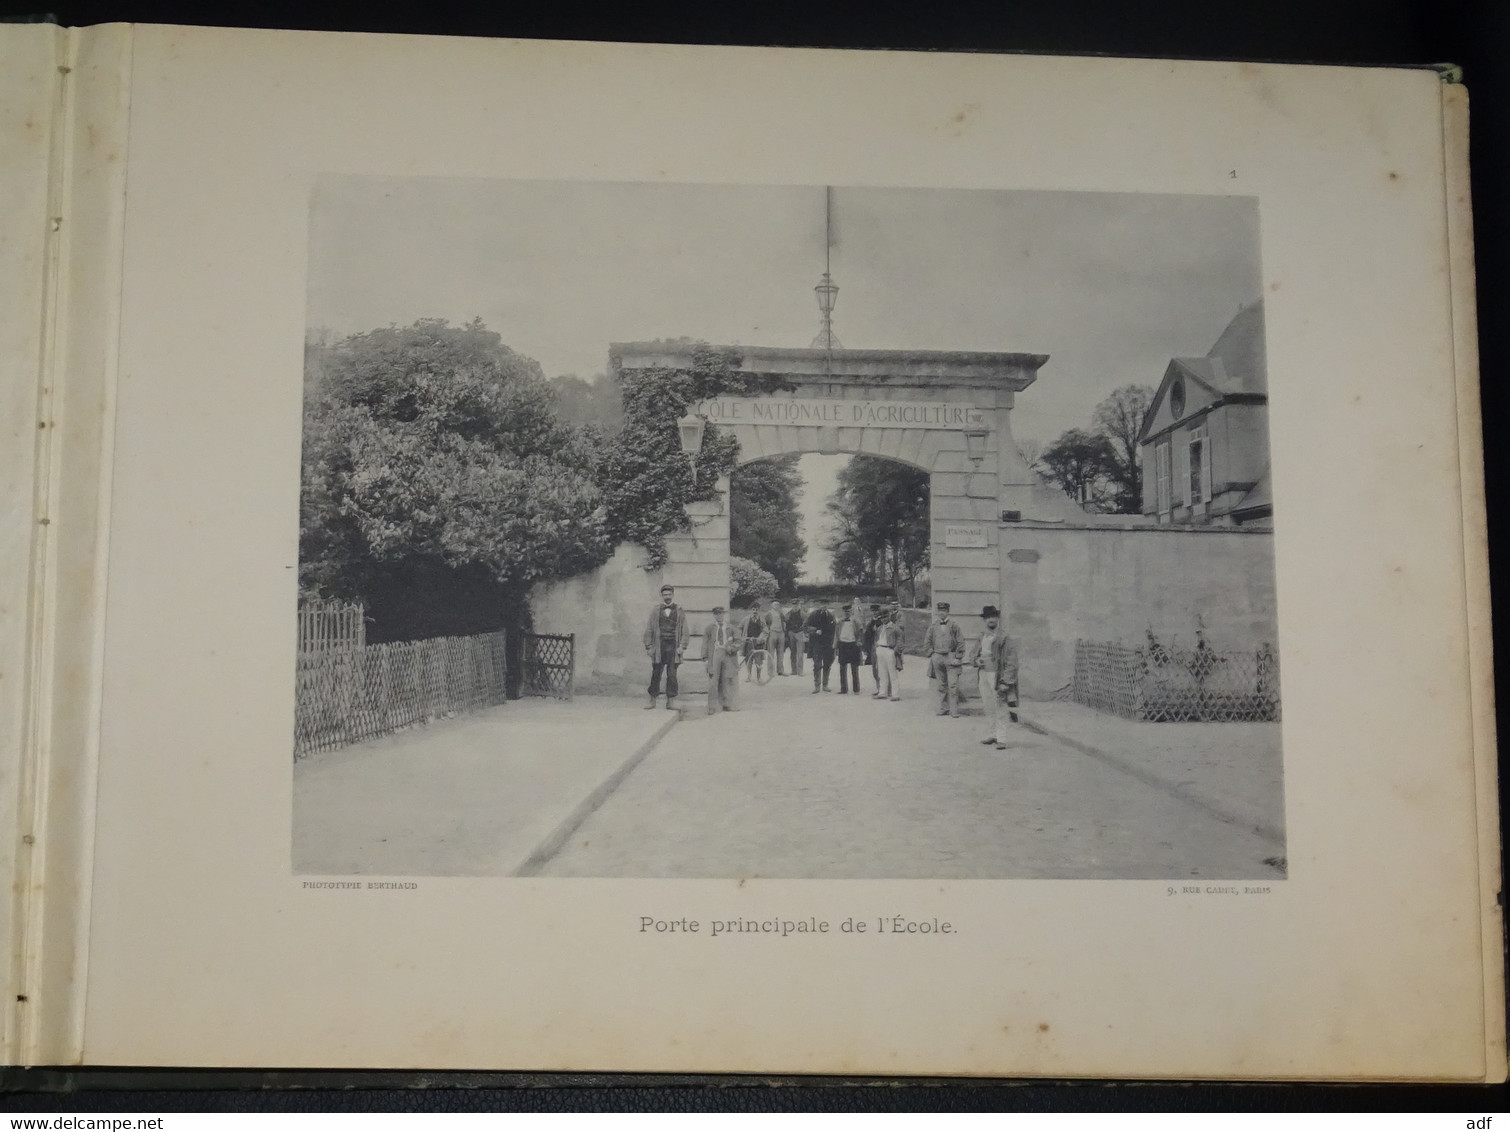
{"type": "Point", "coordinates": [656, 530]}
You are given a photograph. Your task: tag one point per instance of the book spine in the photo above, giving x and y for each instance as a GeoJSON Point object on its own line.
{"type": "Point", "coordinates": [71, 419]}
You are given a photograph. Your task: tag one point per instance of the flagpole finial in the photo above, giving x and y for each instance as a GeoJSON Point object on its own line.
{"type": "Point", "coordinates": [827, 290]}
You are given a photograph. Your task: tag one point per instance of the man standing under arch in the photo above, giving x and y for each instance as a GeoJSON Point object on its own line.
{"type": "Point", "coordinates": [775, 624]}
{"type": "Point", "coordinates": [796, 639]}
{"type": "Point", "coordinates": [820, 645]}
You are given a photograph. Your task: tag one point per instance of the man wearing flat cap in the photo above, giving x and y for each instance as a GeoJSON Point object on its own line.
{"type": "Point", "coordinates": [889, 654]}
{"type": "Point", "coordinates": [994, 659]}
{"type": "Point", "coordinates": [665, 641]}
{"type": "Point", "coordinates": [944, 643]}
{"type": "Point", "coordinates": [721, 647]}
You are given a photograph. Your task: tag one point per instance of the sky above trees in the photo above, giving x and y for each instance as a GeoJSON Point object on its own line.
{"type": "Point", "coordinates": [1110, 286]}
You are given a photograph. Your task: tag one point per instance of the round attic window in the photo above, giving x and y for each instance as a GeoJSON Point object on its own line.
{"type": "Point", "coordinates": [1177, 397]}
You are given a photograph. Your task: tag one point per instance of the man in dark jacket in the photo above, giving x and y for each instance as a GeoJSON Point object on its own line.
{"type": "Point", "coordinates": [820, 628]}
{"type": "Point", "coordinates": [796, 642]}
{"type": "Point", "coordinates": [665, 642]}
{"type": "Point", "coordinates": [873, 624]}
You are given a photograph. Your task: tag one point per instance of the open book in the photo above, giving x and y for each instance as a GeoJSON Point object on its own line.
{"type": "Point", "coordinates": [1039, 499]}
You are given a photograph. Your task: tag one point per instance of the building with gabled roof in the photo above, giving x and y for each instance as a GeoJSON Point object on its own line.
{"type": "Point", "coordinates": [1205, 439]}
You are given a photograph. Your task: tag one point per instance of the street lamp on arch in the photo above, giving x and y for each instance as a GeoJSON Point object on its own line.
{"type": "Point", "coordinates": [690, 430]}
{"type": "Point", "coordinates": [975, 444]}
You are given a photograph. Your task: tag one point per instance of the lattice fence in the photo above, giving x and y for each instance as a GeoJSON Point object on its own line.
{"type": "Point", "coordinates": [346, 696]}
{"type": "Point", "coordinates": [1160, 684]}
{"type": "Point", "coordinates": [549, 661]}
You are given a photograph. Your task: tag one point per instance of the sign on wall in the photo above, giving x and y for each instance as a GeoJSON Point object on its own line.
{"type": "Point", "coordinates": [965, 536]}
{"type": "Point", "coordinates": [840, 413]}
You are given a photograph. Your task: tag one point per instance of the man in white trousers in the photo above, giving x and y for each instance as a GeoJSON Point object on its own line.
{"type": "Point", "coordinates": [994, 658]}
{"type": "Point", "coordinates": [888, 652]}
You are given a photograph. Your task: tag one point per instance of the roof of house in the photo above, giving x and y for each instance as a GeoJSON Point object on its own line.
{"type": "Point", "coordinates": [1239, 351]}
{"type": "Point", "coordinates": [1236, 362]}
{"type": "Point", "coordinates": [1235, 365]}
{"type": "Point", "coordinates": [1259, 496]}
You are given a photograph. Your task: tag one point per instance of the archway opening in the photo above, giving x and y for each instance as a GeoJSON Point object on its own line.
{"type": "Point", "coordinates": [810, 526]}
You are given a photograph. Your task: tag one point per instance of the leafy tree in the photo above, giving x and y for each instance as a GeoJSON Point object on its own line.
{"type": "Point", "coordinates": [881, 523]}
{"type": "Point", "coordinates": [1119, 418]}
{"type": "Point", "coordinates": [763, 517]}
{"type": "Point", "coordinates": [596, 403]}
{"type": "Point", "coordinates": [645, 480]}
{"type": "Point", "coordinates": [749, 583]}
{"type": "Point", "coordinates": [1082, 464]}
{"type": "Point", "coordinates": [438, 484]}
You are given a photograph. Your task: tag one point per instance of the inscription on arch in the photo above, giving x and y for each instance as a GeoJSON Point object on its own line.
{"type": "Point", "coordinates": [841, 412]}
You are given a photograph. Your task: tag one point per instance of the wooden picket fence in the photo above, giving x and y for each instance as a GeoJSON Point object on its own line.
{"type": "Point", "coordinates": [325, 625]}
{"type": "Point", "coordinates": [346, 695]}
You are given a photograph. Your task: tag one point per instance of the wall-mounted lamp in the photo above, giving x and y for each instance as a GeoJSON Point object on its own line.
{"type": "Point", "coordinates": [975, 444]}
{"type": "Point", "coordinates": [690, 428]}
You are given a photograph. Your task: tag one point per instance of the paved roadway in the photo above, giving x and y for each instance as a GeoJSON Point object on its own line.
{"type": "Point", "coordinates": [795, 785]}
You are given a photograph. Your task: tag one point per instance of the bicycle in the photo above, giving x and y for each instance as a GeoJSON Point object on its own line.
{"type": "Point", "coordinates": [759, 664]}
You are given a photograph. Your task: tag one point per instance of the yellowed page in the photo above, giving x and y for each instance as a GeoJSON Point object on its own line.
{"type": "Point", "coordinates": [1367, 962]}
{"type": "Point", "coordinates": [92, 210]}
{"type": "Point", "coordinates": [30, 98]}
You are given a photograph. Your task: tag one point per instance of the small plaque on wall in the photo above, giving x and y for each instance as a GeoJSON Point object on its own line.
{"type": "Point", "coordinates": [965, 535]}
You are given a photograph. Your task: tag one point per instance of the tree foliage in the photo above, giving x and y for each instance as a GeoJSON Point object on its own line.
{"type": "Point", "coordinates": [1083, 465]}
{"type": "Point", "coordinates": [748, 582]}
{"type": "Point", "coordinates": [1099, 468]}
{"type": "Point", "coordinates": [1119, 418]}
{"type": "Point", "coordinates": [763, 517]}
{"type": "Point", "coordinates": [438, 484]}
{"type": "Point", "coordinates": [645, 479]}
{"type": "Point", "coordinates": [595, 404]}
{"type": "Point", "coordinates": [881, 523]}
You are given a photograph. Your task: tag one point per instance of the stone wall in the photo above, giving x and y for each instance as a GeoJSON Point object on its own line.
{"type": "Point", "coordinates": [606, 610]}
{"type": "Point", "coordinates": [1114, 584]}
{"type": "Point", "coordinates": [1058, 582]}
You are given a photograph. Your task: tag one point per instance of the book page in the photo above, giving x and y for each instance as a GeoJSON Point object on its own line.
{"type": "Point", "coordinates": [345, 909]}
{"type": "Point", "coordinates": [29, 57]}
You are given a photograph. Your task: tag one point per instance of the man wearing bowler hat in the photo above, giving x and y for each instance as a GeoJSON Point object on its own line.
{"type": "Point", "coordinates": [665, 641]}
{"type": "Point", "coordinates": [994, 658]}
{"type": "Point", "coordinates": [944, 643]}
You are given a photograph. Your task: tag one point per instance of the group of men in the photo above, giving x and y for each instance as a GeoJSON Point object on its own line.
{"type": "Point", "coordinates": [872, 638]}
{"type": "Point", "coordinates": [789, 637]}
{"type": "Point", "coordinates": [816, 634]}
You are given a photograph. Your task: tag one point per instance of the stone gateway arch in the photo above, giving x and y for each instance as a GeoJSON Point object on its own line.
{"type": "Point", "coordinates": [947, 412]}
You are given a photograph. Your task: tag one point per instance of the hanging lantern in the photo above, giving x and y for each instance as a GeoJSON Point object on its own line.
{"type": "Point", "coordinates": [691, 429]}
{"type": "Point", "coordinates": [975, 444]}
